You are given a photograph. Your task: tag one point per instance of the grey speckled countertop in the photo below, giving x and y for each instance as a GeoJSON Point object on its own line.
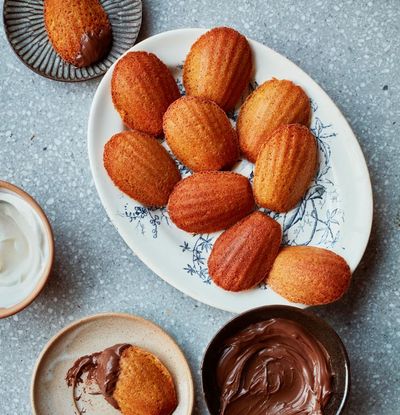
{"type": "Point", "coordinates": [352, 48]}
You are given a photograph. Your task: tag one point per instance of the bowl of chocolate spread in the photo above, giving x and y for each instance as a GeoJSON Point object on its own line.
{"type": "Point", "coordinates": [276, 360]}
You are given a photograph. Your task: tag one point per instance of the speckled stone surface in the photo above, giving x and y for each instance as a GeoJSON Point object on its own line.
{"type": "Point", "coordinates": [352, 50]}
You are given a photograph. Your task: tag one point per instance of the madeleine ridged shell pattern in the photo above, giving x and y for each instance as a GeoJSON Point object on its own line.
{"type": "Point", "coordinates": [272, 104]}
{"type": "Point", "coordinates": [140, 167]}
{"type": "Point", "coordinates": [210, 201]}
{"type": "Point", "coordinates": [243, 255]}
{"type": "Point", "coordinates": [200, 134]}
{"type": "Point", "coordinates": [26, 33]}
{"type": "Point", "coordinates": [309, 275]}
{"type": "Point", "coordinates": [285, 167]}
{"type": "Point", "coordinates": [218, 67]}
{"type": "Point", "coordinates": [142, 88]}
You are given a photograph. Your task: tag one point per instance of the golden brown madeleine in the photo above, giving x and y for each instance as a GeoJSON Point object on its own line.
{"type": "Point", "coordinates": [308, 275]}
{"type": "Point", "coordinates": [272, 104]}
{"type": "Point", "coordinates": [142, 88]}
{"type": "Point", "coordinates": [218, 67]}
{"type": "Point", "coordinates": [141, 167]}
{"type": "Point", "coordinates": [243, 255]}
{"type": "Point", "coordinates": [79, 30]}
{"type": "Point", "coordinates": [200, 134]}
{"type": "Point", "coordinates": [144, 385]}
{"type": "Point", "coordinates": [285, 167]}
{"type": "Point", "coordinates": [210, 201]}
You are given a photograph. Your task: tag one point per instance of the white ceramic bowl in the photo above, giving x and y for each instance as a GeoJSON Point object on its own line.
{"type": "Point", "coordinates": [42, 279]}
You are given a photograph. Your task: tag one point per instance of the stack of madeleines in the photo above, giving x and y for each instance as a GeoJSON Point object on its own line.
{"type": "Point", "coordinates": [272, 131]}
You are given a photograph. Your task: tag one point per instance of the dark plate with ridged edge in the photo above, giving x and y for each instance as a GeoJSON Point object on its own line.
{"type": "Point", "coordinates": [26, 33]}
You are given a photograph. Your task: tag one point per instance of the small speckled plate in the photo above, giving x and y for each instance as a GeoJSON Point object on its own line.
{"type": "Point", "coordinates": [50, 394]}
{"type": "Point", "coordinates": [26, 33]}
{"type": "Point", "coordinates": [335, 213]}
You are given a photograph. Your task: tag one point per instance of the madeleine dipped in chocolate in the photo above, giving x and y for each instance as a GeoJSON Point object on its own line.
{"type": "Point", "coordinates": [218, 67]}
{"type": "Point", "coordinates": [79, 30]}
{"type": "Point", "coordinates": [131, 379]}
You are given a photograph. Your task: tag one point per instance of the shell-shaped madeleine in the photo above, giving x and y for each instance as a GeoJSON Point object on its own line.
{"type": "Point", "coordinates": [243, 255]}
{"type": "Point", "coordinates": [142, 88]}
{"type": "Point", "coordinates": [218, 67]}
{"type": "Point", "coordinates": [309, 275]}
{"type": "Point", "coordinates": [272, 104]}
{"type": "Point", "coordinates": [210, 201]}
{"type": "Point", "coordinates": [144, 385]}
{"type": "Point", "coordinates": [285, 167]}
{"type": "Point", "coordinates": [79, 31]}
{"type": "Point", "coordinates": [200, 134]}
{"type": "Point", "coordinates": [140, 167]}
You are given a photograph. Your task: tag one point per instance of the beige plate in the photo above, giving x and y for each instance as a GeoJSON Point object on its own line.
{"type": "Point", "coordinates": [49, 392]}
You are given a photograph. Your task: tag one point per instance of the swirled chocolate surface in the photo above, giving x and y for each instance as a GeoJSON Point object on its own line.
{"type": "Point", "coordinates": [103, 367]}
{"type": "Point", "coordinates": [274, 367]}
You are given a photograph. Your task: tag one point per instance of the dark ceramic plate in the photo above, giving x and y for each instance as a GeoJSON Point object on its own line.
{"type": "Point", "coordinates": [315, 325]}
{"type": "Point", "coordinates": [26, 33]}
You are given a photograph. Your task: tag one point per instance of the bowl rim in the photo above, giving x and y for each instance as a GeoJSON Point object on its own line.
{"type": "Point", "coordinates": [9, 311]}
{"type": "Point", "coordinates": [279, 308]}
{"type": "Point", "coordinates": [98, 316]}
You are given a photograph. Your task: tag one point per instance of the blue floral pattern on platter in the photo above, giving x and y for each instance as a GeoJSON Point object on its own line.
{"type": "Point", "coordinates": [199, 249]}
{"type": "Point", "coordinates": [316, 220]}
{"type": "Point", "coordinates": [146, 217]}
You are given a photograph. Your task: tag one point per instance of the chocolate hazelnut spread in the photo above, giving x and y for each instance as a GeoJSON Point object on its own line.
{"type": "Point", "coordinates": [94, 46]}
{"type": "Point", "coordinates": [274, 367]}
{"type": "Point", "coordinates": [102, 367]}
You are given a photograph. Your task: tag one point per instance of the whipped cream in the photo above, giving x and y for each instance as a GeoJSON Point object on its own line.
{"type": "Point", "coordinates": [24, 248]}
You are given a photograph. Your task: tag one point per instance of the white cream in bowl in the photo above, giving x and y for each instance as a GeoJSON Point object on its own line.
{"type": "Point", "coordinates": [24, 248]}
